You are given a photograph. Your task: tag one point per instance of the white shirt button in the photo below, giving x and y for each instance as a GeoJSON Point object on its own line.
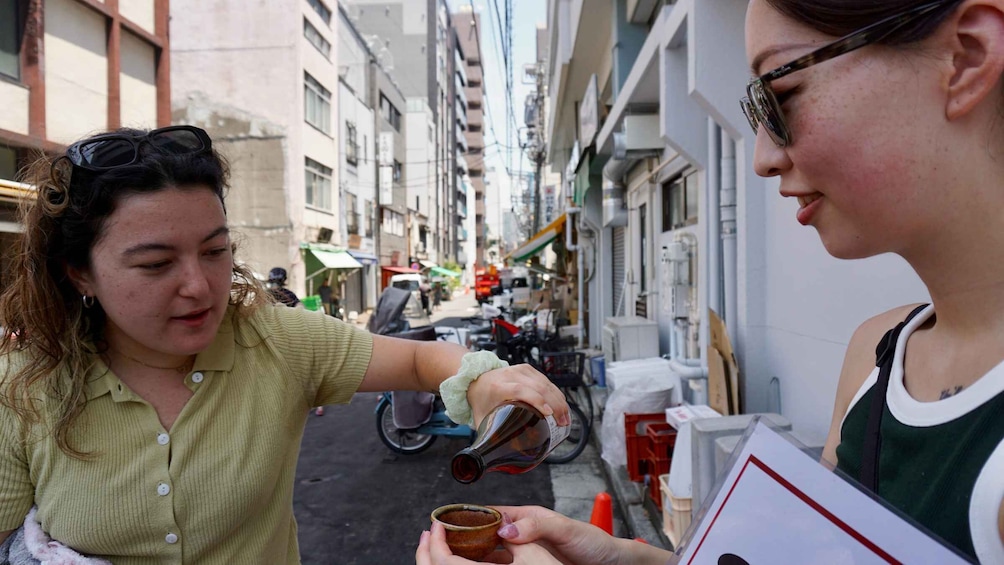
{"type": "Point", "coordinates": [163, 489]}
{"type": "Point", "coordinates": [171, 538]}
{"type": "Point", "coordinates": [197, 377]}
{"type": "Point", "coordinates": [163, 439]}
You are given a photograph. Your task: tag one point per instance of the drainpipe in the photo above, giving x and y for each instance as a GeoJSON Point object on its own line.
{"type": "Point", "coordinates": [727, 208]}
{"type": "Point", "coordinates": [570, 213]}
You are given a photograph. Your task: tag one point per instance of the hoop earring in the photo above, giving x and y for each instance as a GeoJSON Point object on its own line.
{"type": "Point", "coordinates": [88, 301]}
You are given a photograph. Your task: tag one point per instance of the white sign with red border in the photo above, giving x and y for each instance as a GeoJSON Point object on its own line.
{"type": "Point", "coordinates": [778, 505]}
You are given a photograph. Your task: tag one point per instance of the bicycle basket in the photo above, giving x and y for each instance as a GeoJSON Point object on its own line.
{"type": "Point", "coordinates": [563, 368]}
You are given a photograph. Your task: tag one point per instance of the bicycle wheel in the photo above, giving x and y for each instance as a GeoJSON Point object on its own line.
{"type": "Point", "coordinates": [577, 438]}
{"type": "Point", "coordinates": [405, 442]}
{"type": "Point", "coordinates": [584, 399]}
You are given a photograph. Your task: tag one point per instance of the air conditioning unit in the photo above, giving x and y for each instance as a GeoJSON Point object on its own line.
{"type": "Point", "coordinates": [630, 337]}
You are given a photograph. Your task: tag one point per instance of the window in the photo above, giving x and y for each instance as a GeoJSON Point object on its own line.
{"type": "Point", "coordinates": [393, 223]}
{"type": "Point", "coordinates": [369, 218]}
{"type": "Point", "coordinates": [398, 169]}
{"type": "Point", "coordinates": [351, 144]}
{"type": "Point", "coordinates": [318, 186]}
{"type": "Point", "coordinates": [351, 216]}
{"type": "Point", "coordinates": [317, 104]}
{"type": "Point", "coordinates": [10, 38]}
{"type": "Point", "coordinates": [474, 128]}
{"type": "Point", "coordinates": [390, 112]}
{"type": "Point", "coordinates": [8, 163]}
{"type": "Point", "coordinates": [321, 10]}
{"type": "Point", "coordinates": [473, 105]}
{"type": "Point", "coordinates": [316, 39]}
{"type": "Point", "coordinates": [474, 150]}
{"type": "Point", "coordinates": [679, 202]}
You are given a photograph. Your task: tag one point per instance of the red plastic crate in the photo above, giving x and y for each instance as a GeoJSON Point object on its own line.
{"type": "Point", "coordinates": [659, 456]}
{"type": "Point", "coordinates": [637, 442]}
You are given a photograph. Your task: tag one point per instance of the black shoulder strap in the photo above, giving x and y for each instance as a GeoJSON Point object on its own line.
{"type": "Point", "coordinates": [884, 355]}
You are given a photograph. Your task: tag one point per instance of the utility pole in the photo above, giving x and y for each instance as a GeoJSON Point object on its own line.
{"type": "Point", "coordinates": [535, 143]}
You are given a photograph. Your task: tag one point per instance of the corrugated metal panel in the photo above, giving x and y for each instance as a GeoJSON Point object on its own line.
{"type": "Point", "coordinates": [619, 269]}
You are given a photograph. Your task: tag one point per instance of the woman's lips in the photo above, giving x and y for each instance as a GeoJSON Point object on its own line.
{"type": "Point", "coordinates": [808, 205]}
{"type": "Point", "coordinates": [194, 319]}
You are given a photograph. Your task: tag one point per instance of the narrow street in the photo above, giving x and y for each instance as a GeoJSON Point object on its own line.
{"type": "Point", "coordinates": [358, 503]}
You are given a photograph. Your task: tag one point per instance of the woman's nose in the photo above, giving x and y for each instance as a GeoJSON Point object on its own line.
{"type": "Point", "coordinates": [195, 282]}
{"type": "Point", "coordinates": [769, 160]}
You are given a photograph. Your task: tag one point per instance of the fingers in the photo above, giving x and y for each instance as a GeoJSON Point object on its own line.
{"type": "Point", "coordinates": [422, 556]}
{"type": "Point", "coordinates": [531, 554]}
{"type": "Point", "coordinates": [524, 383]}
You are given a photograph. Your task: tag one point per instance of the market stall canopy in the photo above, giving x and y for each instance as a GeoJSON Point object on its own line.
{"type": "Point", "coordinates": [445, 272]}
{"type": "Point", "coordinates": [427, 264]}
{"type": "Point", "coordinates": [321, 258]}
{"type": "Point", "coordinates": [540, 240]}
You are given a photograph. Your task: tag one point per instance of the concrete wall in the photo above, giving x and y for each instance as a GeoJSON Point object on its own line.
{"type": "Point", "coordinates": [138, 83]}
{"type": "Point", "coordinates": [14, 110]}
{"type": "Point", "coordinates": [139, 12]}
{"type": "Point", "coordinates": [237, 70]}
{"type": "Point", "coordinates": [76, 71]}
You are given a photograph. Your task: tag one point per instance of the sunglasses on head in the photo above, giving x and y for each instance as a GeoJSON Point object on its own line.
{"type": "Point", "coordinates": [108, 151]}
{"type": "Point", "coordinates": [761, 106]}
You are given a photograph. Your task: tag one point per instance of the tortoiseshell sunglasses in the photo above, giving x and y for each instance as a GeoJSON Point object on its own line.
{"type": "Point", "coordinates": [761, 106]}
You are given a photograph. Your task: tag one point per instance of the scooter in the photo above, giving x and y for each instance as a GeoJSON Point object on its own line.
{"type": "Point", "coordinates": [416, 440]}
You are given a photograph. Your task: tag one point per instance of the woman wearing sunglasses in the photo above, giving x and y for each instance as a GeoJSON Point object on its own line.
{"type": "Point", "coordinates": [155, 398]}
{"type": "Point", "coordinates": [884, 120]}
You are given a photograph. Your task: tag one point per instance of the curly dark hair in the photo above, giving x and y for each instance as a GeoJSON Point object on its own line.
{"type": "Point", "coordinates": [44, 322]}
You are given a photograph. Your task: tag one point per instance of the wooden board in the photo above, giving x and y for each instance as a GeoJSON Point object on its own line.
{"type": "Point", "coordinates": [717, 392]}
{"type": "Point", "coordinates": [719, 341]}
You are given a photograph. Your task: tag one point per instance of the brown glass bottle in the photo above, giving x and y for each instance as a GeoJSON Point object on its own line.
{"type": "Point", "coordinates": [513, 438]}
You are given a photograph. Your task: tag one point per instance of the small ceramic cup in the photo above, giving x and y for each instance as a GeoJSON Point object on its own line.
{"type": "Point", "coordinates": [471, 530]}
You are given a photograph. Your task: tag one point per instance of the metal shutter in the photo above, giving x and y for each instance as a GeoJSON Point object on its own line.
{"type": "Point", "coordinates": [618, 270]}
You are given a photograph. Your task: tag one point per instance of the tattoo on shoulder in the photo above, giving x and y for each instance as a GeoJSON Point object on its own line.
{"type": "Point", "coordinates": [950, 392]}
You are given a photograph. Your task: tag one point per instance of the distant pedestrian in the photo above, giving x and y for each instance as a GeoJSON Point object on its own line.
{"type": "Point", "coordinates": [281, 294]}
{"type": "Point", "coordinates": [437, 296]}
{"type": "Point", "coordinates": [324, 292]}
{"type": "Point", "coordinates": [423, 291]}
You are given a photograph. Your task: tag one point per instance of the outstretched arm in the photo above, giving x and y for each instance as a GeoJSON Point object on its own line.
{"type": "Point", "coordinates": [399, 364]}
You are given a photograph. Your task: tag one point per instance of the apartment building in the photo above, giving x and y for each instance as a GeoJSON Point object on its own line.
{"type": "Point", "coordinates": [69, 68]}
{"type": "Point", "coordinates": [471, 117]}
{"type": "Point", "coordinates": [357, 166]}
{"type": "Point", "coordinates": [644, 123]}
{"type": "Point", "coordinates": [417, 49]}
{"type": "Point", "coordinates": [263, 79]}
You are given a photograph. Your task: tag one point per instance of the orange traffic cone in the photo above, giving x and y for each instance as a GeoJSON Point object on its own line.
{"type": "Point", "coordinates": [603, 513]}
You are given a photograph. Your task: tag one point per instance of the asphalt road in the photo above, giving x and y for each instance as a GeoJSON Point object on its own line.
{"type": "Point", "coordinates": [356, 502]}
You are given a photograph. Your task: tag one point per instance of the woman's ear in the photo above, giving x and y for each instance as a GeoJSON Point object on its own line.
{"type": "Point", "coordinates": [977, 43]}
{"type": "Point", "coordinates": [80, 279]}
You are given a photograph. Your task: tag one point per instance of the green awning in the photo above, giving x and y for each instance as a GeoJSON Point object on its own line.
{"type": "Point", "coordinates": [445, 272]}
{"type": "Point", "coordinates": [540, 240]}
{"type": "Point", "coordinates": [336, 259]}
{"type": "Point", "coordinates": [319, 258]}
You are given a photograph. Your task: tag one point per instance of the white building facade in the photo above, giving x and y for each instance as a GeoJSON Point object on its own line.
{"type": "Point", "coordinates": [263, 80]}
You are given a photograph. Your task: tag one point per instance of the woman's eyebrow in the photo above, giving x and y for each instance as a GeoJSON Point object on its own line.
{"type": "Point", "coordinates": [143, 247]}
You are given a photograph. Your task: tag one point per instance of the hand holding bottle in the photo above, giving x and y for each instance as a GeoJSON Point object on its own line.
{"type": "Point", "coordinates": [518, 382]}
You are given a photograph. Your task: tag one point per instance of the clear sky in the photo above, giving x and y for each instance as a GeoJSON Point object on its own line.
{"type": "Point", "coordinates": [500, 153]}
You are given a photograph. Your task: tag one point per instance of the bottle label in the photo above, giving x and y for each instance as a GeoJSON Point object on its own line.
{"type": "Point", "coordinates": [558, 433]}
